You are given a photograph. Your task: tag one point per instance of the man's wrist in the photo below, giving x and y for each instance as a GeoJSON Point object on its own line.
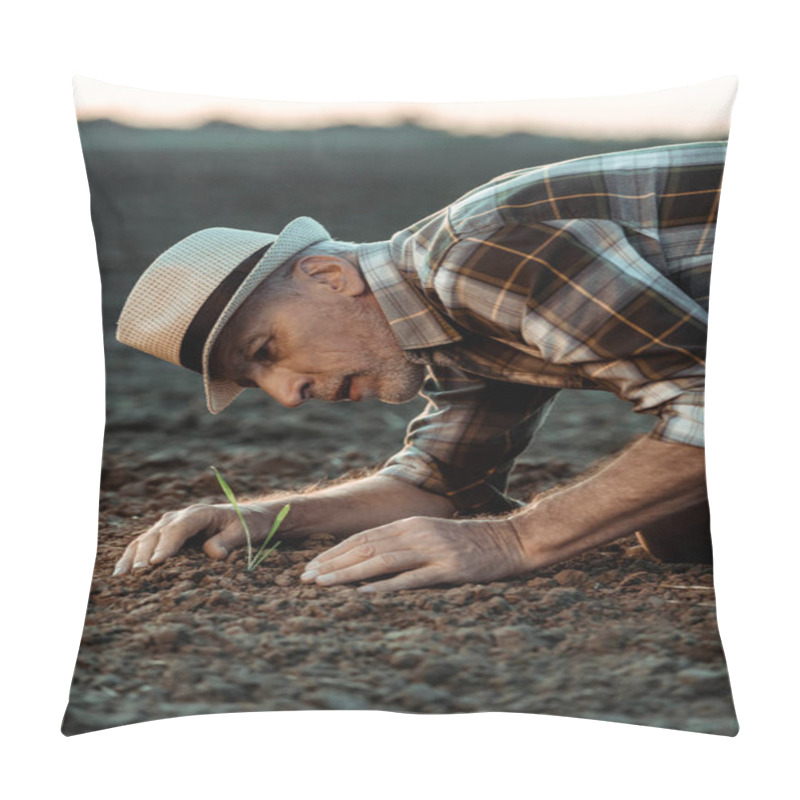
{"type": "Point", "coordinates": [542, 536]}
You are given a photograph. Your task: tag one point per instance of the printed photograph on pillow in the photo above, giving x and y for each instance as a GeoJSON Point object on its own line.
{"type": "Point", "coordinates": [404, 407]}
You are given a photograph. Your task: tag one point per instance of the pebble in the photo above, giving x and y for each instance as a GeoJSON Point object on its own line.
{"type": "Point", "coordinates": [351, 610]}
{"type": "Point", "coordinates": [191, 600]}
{"type": "Point", "coordinates": [251, 624]}
{"type": "Point", "coordinates": [469, 636]}
{"type": "Point", "coordinates": [222, 597]}
{"type": "Point", "coordinates": [435, 671]}
{"type": "Point", "coordinates": [540, 583]}
{"type": "Point", "coordinates": [419, 696]}
{"type": "Point", "coordinates": [570, 577]}
{"type": "Point", "coordinates": [706, 680]}
{"type": "Point", "coordinates": [108, 681]}
{"type": "Point", "coordinates": [171, 636]}
{"type": "Point", "coordinates": [514, 637]}
{"type": "Point", "coordinates": [406, 659]}
{"type": "Point", "coordinates": [650, 665]}
{"type": "Point", "coordinates": [497, 605]}
{"type": "Point", "coordinates": [302, 625]}
{"type": "Point", "coordinates": [143, 612]}
{"type": "Point", "coordinates": [179, 617]}
{"type": "Point", "coordinates": [286, 578]}
{"type": "Point", "coordinates": [133, 489]}
{"type": "Point", "coordinates": [410, 635]}
{"type": "Point", "coordinates": [565, 596]}
{"type": "Point", "coordinates": [608, 640]}
{"type": "Point", "coordinates": [459, 596]}
{"type": "Point", "coordinates": [164, 458]}
{"type": "Point", "coordinates": [272, 607]}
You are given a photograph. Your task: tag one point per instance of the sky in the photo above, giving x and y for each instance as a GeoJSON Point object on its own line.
{"type": "Point", "coordinates": [699, 111]}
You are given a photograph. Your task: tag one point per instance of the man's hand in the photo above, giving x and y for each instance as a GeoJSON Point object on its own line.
{"type": "Point", "coordinates": [219, 524]}
{"type": "Point", "coordinates": [424, 551]}
{"type": "Point", "coordinates": [340, 510]}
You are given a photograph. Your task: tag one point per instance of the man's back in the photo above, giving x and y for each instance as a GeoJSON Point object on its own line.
{"type": "Point", "coordinates": [663, 200]}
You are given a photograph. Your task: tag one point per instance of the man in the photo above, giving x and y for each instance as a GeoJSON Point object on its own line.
{"type": "Point", "coordinates": [592, 273]}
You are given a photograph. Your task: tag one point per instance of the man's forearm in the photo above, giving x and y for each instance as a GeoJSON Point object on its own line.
{"type": "Point", "coordinates": [646, 482]}
{"type": "Point", "coordinates": [357, 505]}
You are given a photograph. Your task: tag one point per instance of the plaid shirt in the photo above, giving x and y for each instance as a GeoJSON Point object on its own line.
{"type": "Point", "coordinates": [592, 273]}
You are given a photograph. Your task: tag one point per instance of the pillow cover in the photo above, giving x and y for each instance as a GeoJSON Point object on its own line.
{"type": "Point", "coordinates": [613, 633]}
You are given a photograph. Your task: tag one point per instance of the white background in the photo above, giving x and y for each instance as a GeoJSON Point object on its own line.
{"type": "Point", "coordinates": [420, 51]}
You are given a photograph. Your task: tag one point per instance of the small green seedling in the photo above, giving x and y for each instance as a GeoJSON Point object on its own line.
{"type": "Point", "coordinates": [252, 560]}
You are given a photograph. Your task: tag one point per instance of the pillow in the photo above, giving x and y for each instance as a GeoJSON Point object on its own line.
{"type": "Point", "coordinates": [617, 632]}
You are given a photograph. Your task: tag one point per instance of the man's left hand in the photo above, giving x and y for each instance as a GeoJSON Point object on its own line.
{"type": "Point", "coordinates": [423, 551]}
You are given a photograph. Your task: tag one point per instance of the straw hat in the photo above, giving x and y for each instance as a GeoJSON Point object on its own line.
{"type": "Point", "coordinates": [180, 304]}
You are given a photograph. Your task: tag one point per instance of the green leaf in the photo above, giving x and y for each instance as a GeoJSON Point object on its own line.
{"type": "Point", "coordinates": [252, 561]}
{"type": "Point", "coordinates": [232, 499]}
{"type": "Point", "coordinates": [261, 555]}
{"type": "Point", "coordinates": [259, 558]}
{"type": "Point", "coordinates": [279, 520]}
{"type": "Point", "coordinates": [225, 488]}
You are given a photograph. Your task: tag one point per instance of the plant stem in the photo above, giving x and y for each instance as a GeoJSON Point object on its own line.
{"type": "Point", "coordinates": [252, 561]}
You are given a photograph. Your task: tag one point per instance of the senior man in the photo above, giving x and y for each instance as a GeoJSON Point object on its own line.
{"type": "Point", "coordinates": [592, 274]}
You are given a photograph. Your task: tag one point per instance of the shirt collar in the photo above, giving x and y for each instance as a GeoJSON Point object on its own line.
{"type": "Point", "coordinates": [413, 321]}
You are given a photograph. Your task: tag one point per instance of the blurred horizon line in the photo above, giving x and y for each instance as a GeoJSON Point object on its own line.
{"type": "Point", "coordinates": [409, 124]}
{"type": "Point", "coordinates": [696, 111]}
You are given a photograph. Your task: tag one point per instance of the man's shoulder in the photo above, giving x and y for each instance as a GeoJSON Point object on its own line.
{"type": "Point", "coordinates": [476, 211]}
{"type": "Point", "coordinates": [589, 187]}
{"type": "Point", "coordinates": [527, 200]}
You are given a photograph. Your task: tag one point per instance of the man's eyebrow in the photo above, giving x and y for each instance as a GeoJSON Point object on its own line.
{"type": "Point", "coordinates": [243, 348]}
{"type": "Point", "coordinates": [248, 348]}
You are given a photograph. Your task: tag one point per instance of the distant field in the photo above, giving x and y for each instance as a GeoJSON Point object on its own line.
{"type": "Point", "coordinates": [151, 187]}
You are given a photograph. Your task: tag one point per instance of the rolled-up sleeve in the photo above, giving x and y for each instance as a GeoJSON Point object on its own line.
{"type": "Point", "coordinates": [465, 442]}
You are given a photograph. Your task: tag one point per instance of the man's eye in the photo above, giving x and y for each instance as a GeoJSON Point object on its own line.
{"type": "Point", "coordinates": [262, 354]}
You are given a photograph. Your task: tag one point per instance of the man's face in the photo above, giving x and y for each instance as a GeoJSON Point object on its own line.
{"type": "Point", "coordinates": [322, 343]}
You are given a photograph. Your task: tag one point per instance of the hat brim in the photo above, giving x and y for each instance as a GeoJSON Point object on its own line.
{"type": "Point", "coordinates": [299, 234]}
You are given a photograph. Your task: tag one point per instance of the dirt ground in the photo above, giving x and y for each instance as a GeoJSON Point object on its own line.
{"type": "Point", "coordinates": [611, 635]}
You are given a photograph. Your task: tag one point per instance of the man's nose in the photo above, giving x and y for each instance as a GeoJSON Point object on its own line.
{"type": "Point", "coordinates": [287, 388]}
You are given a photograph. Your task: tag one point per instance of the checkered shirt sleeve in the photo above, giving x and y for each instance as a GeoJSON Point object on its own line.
{"type": "Point", "coordinates": [464, 443]}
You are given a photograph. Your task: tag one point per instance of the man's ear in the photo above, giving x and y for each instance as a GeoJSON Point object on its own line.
{"type": "Point", "coordinates": [332, 274]}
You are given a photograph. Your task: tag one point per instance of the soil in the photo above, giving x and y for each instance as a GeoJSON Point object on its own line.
{"type": "Point", "coordinates": [611, 635]}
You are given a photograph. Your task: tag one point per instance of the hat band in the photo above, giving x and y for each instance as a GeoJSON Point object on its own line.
{"type": "Point", "coordinates": [194, 340]}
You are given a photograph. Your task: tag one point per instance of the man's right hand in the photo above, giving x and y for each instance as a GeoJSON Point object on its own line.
{"type": "Point", "coordinates": [340, 510]}
{"type": "Point", "coordinates": [218, 523]}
